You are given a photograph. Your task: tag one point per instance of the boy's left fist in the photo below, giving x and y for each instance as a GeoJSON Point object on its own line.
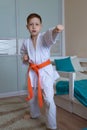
{"type": "Point", "coordinates": [59, 28]}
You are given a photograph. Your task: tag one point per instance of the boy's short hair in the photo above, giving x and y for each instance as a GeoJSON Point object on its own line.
{"type": "Point", "coordinates": [33, 15]}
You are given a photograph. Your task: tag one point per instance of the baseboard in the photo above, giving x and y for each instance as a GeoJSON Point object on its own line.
{"type": "Point", "coordinates": [80, 110]}
{"type": "Point", "coordinates": [16, 93]}
{"type": "Point", "coordinates": [71, 106]}
{"type": "Point", "coordinates": [63, 103]}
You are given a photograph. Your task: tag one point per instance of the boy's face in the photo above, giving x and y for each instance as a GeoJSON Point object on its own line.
{"type": "Point", "coordinates": [34, 26]}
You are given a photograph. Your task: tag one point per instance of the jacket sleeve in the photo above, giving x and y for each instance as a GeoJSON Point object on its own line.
{"type": "Point", "coordinates": [23, 49]}
{"type": "Point", "coordinates": [48, 38]}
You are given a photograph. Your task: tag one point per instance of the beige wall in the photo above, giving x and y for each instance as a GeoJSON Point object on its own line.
{"type": "Point", "coordinates": [76, 27]}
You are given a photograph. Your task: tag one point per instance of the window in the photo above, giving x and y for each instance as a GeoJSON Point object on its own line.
{"type": "Point", "coordinates": [8, 47]}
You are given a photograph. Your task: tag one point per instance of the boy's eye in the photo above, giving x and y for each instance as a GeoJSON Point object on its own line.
{"type": "Point", "coordinates": [37, 24]}
{"type": "Point", "coordinates": [30, 24]}
{"type": "Point", "coordinates": [33, 24]}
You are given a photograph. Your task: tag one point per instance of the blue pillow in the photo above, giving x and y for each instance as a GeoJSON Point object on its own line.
{"type": "Point", "coordinates": [64, 64]}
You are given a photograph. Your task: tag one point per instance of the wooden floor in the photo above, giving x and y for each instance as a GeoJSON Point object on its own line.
{"type": "Point", "coordinates": [69, 121]}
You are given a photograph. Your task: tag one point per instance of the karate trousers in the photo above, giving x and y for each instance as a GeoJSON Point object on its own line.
{"type": "Point", "coordinates": [50, 107]}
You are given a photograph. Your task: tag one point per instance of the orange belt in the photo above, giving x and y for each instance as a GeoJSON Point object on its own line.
{"type": "Point", "coordinates": [36, 68]}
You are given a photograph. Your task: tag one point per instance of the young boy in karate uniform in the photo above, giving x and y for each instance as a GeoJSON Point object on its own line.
{"type": "Point", "coordinates": [36, 51]}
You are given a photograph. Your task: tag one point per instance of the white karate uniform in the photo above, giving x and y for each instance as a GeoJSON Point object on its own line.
{"type": "Point", "coordinates": [37, 56]}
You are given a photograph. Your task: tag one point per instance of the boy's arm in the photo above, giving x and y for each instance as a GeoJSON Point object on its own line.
{"type": "Point", "coordinates": [56, 30]}
{"type": "Point", "coordinates": [50, 35]}
{"type": "Point", "coordinates": [25, 58]}
{"type": "Point", "coordinates": [24, 54]}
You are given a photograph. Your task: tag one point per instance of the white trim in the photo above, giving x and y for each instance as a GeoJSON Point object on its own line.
{"type": "Point", "coordinates": [11, 94]}
{"type": "Point", "coordinates": [83, 60]}
{"type": "Point", "coordinates": [71, 85]}
{"type": "Point", "coordinates": [63, 33]}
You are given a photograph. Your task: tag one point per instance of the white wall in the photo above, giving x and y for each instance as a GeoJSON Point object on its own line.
{"type": "Point", "coordinates": [76, 27]}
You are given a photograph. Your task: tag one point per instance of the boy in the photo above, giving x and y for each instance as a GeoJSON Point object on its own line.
{"type": "Point", "coordinates": [36, 51]}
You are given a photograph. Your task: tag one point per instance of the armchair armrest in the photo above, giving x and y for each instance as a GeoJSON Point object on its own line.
{"type": "Point", "coordinates": [71, 84]}
{"type": "Point", "coordinates": [71, 76]}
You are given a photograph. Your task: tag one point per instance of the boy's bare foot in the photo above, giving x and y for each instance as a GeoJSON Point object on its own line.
{"type": "Point", "coordinates": [27, 115]}
{"type": "Point", "coordinates": [53, 129]}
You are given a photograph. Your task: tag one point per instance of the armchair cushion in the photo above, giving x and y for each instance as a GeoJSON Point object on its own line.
{"type": "Point", "coordinates": [64, 64]}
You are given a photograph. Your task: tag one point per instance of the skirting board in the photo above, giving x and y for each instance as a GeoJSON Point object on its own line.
{"type": "Point", "coordinates": [71, 106]}
{"type": "Point", "coordinates": [11, 94]}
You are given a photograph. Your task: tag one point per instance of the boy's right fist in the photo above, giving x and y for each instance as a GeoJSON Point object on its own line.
{"type": "Point", "coordinates": [25, 58]}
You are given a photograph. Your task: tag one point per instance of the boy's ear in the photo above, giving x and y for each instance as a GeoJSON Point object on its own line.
{"type": "Point", "coordinates": [41, 26]}
{"type": "Point", "coordinates": [27, 26]}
